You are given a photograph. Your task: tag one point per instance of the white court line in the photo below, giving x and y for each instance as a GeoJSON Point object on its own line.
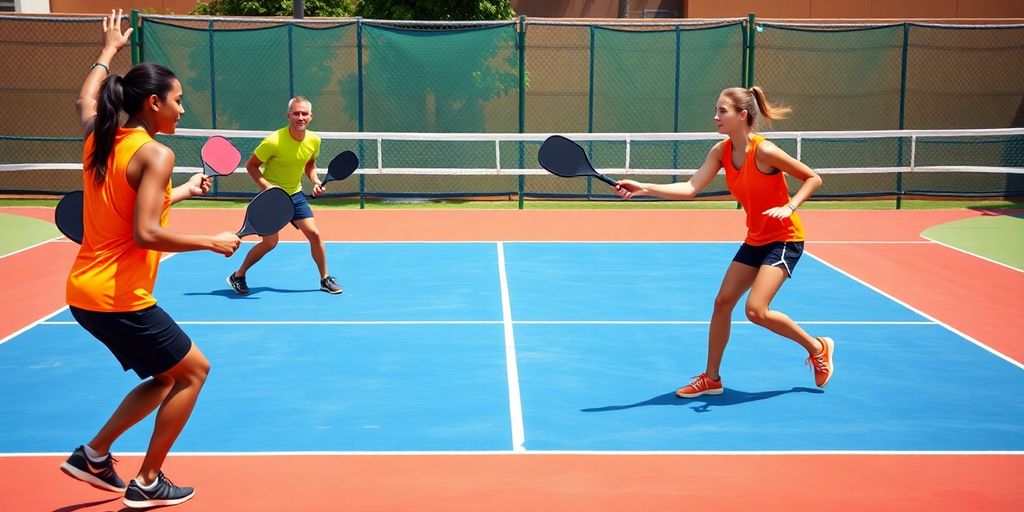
{"type": "Point", "coordinates": [991, 350]}
{"type": "Point", "coordinates": [541, 453]}
{"type": "Point", "coordinates": [43, 319]}
{"type": "Point", "coordinates": [54, 239]}
{"type": "Point", "coordinates": [969, 253]}
{"type": "Point", "coordinates": [515, 404]}
{"type": "Point", "coordinates": [517, 322]}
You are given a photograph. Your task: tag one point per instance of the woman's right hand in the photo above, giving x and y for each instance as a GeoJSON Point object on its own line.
{"type": "Point", "coordinates": [112, 37]}
{"type": "Point", "coordinates": [629, 188]}
{"type": "Point", "coordinates": [226, 243]}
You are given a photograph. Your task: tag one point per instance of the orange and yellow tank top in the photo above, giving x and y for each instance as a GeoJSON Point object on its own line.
{"type": "Point", "coordinates": [757, 192]}
{"type": "Point", "coordinates": [111, 273]}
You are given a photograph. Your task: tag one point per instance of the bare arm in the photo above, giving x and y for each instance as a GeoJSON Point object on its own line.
{"type": "Point", "coordinates": [310, 170]}
{"type": "Point", "coordinates": [252, 166]}
{"type": "Point", "coordinates": [197, 185]}
{"type": "Point", "coordinates": [88, 96]}
{"type": "Point", "coordinates": [681, 190]}
{"type": "Point", "coordinates": [769, 156]}
{"type": "Point", "coordinates": [156, 162]}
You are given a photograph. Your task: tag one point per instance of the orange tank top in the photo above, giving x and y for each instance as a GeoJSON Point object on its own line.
{"type": "Point", "coordinates": [757, 192]}
{"type": "Point", "coordinates": [111, 273]}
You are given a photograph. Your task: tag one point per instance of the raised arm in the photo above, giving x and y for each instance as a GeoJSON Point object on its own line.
{"type": "Point", "coordinates": [680, 190]}
{"type": "Point", "coordinates": [113, 41]}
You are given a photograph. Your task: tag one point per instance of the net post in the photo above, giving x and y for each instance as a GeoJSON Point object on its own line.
{"type": "Point", "coordinates": [135, 36]}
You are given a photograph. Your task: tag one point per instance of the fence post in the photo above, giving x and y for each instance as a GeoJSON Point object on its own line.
{"type": "Point", "coordinates": [590, 109]}
{"type": "Point", "coordinates": [291, 65]}
{"type": "Point", "coordinates": [522, 106]}
{"type": "Point", "coordinates": [213, 80]}
{"type": "Point", "coordinates": [675, 110]}
{"type": "Point", "coordinates": [751, 20]}
{"type": "Point", "coordinates": [135, 36]}
{"type": "Point", "coordinates": [359, 96]}
{"type": "Point", "coordinates": [903, 104]}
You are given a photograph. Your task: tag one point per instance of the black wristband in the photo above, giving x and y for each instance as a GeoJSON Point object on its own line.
{"type": "Point", "coordinates": [102, 65]}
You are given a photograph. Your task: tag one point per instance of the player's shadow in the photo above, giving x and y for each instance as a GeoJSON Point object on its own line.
{"type": "Point", "coordinates": [255, 290]}
{"type": "Point", "coordinates": [79, 506]}
{"type": "Point", "coordinates": [705, 403]}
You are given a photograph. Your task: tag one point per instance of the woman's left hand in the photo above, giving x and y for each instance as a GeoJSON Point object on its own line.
{"type": "Point", "coordinates": [779, 212]}
{"type": "Point", "coordinates": [199, 185]}
{"type": "Point", "coordinates": [112, 36]}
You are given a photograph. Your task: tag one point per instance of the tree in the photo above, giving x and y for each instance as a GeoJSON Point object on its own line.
{"type": "Point", "coordinates": [436, 10]}
{"type": "Point", "coordinates": [325, 8]}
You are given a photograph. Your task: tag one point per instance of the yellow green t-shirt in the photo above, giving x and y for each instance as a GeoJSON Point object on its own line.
{"type": "Point", "coordinates": [284, 158]}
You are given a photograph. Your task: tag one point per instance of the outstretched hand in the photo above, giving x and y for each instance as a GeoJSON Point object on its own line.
{"type": "Point", "coordinates": [112, 36]}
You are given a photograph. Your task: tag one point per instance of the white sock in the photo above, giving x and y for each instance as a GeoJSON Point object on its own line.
{"type": "Point", "coordinates": [92, 454]}
{"type": "Point", "coordinates": [149, 487]}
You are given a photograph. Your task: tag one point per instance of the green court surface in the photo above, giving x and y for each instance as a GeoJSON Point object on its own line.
{"type": "Point", "coordinates": [996, 237]}
{"type": "Point", "coordinates": [20, 232]}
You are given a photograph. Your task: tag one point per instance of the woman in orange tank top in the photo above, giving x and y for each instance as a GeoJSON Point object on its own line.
{"type": "Point", "coordinates": [755, 171]}
{"type": "Point", "coordinates": [127, 189]}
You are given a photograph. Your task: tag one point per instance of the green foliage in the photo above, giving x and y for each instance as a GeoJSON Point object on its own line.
{"type": "Point", "coordinates": [436, 10]}
{"type": "Point", "coordinates": [312, 8]}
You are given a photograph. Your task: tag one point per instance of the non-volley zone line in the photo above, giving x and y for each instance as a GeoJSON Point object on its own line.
{"type": "Point", "coordinates": [519, 322]}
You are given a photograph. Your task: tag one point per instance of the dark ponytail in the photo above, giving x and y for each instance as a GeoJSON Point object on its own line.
{"type": "Point", "coordinates": [127, 94]}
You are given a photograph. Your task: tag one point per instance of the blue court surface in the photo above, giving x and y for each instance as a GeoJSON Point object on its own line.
{"type": "Point", "coordinates": [488, 347]}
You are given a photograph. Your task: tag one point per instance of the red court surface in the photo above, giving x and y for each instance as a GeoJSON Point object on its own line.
{"type": "Point", "coordinates": [883, 249]}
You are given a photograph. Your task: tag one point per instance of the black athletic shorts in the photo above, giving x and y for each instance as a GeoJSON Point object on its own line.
{"type": "Point", "coordinates": [776, 254]}
{"type": "Point", "coordinates": [147, 341]}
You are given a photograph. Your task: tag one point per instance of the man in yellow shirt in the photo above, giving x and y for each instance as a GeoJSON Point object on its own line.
{"type": "Point", "coordinates": [286, 155]}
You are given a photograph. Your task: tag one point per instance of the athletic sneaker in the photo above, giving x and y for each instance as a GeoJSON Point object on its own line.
{"type": "Point", "coordinates": [100, 475]}
{"type": "Point", "coordinates": [822, 363]}
{"type": "Point", "coordinates": [238, 284]}
{"type": "Point", "coordinates": [163, 494]}
{"type": "Point", "coordinates": [330, 285]}
{"type": "Point", "coordinates": [701, 385]}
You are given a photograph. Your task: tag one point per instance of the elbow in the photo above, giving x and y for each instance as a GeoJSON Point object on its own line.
{"type": "Point", "coordinates": [147, 238]}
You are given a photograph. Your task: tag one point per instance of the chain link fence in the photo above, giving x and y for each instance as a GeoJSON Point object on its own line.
{"type": "Point", "coordinates": [525, 76]}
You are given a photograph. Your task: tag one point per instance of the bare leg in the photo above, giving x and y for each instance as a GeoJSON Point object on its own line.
{"type": "Point", "coordinates": [316, 244]}
{"type": "Point", "coordinates": [187, 379]}
{"type": "Point", "coordinates": [136, 405]}
{"type": "Point", "coordinates": [738, 279]}
{"type": "Point", "coordinates": [769, 280]}
{"type": "Point", "coordinates": [257, 253]}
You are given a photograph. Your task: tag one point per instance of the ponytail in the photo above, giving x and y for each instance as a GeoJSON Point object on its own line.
{"type": "Point", "coordinates": [753, 100]}
{"type": "Point", "coordinates": [108, 113]}
{"type": "Point", "coordinates": [768, 110]}
{"type": "Point", "coordinates": [126, 94]}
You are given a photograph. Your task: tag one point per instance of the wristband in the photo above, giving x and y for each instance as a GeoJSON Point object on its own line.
{"type": "Point", "coordinates": [791, 207]}
{"type": "Point", "coordinates": [102, 65]}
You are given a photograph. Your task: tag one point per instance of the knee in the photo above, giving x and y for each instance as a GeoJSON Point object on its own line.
{"type": "Point", "coordinates": [757, 315]}
{"type": "Point", "coordinates": [196, 373]}
{"type": "Point", "coordinates": [313, 235]}
{"type": "Point", "coordinates": [724, 303]}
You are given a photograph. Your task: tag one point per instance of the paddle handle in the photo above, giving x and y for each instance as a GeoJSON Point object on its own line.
{"type": "Point", "coordinates": [606, 179]}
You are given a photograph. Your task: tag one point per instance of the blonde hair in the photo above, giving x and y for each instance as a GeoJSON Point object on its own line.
{"type": "Point", "coordinates": [753, 101]}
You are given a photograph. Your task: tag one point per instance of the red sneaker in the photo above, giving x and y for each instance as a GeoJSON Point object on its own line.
{"type": "Point", "coordinates": [822, 363]}
{"type": "Point", "coordinates": [701, 385]}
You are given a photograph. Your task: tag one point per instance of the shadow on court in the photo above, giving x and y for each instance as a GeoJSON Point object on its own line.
{"type": "Point", "coordinates": [72, 508]}
{"type": "Point", "coordinates": [706, 402]}
{"type": "Point", "coordinates": [255, 290]}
